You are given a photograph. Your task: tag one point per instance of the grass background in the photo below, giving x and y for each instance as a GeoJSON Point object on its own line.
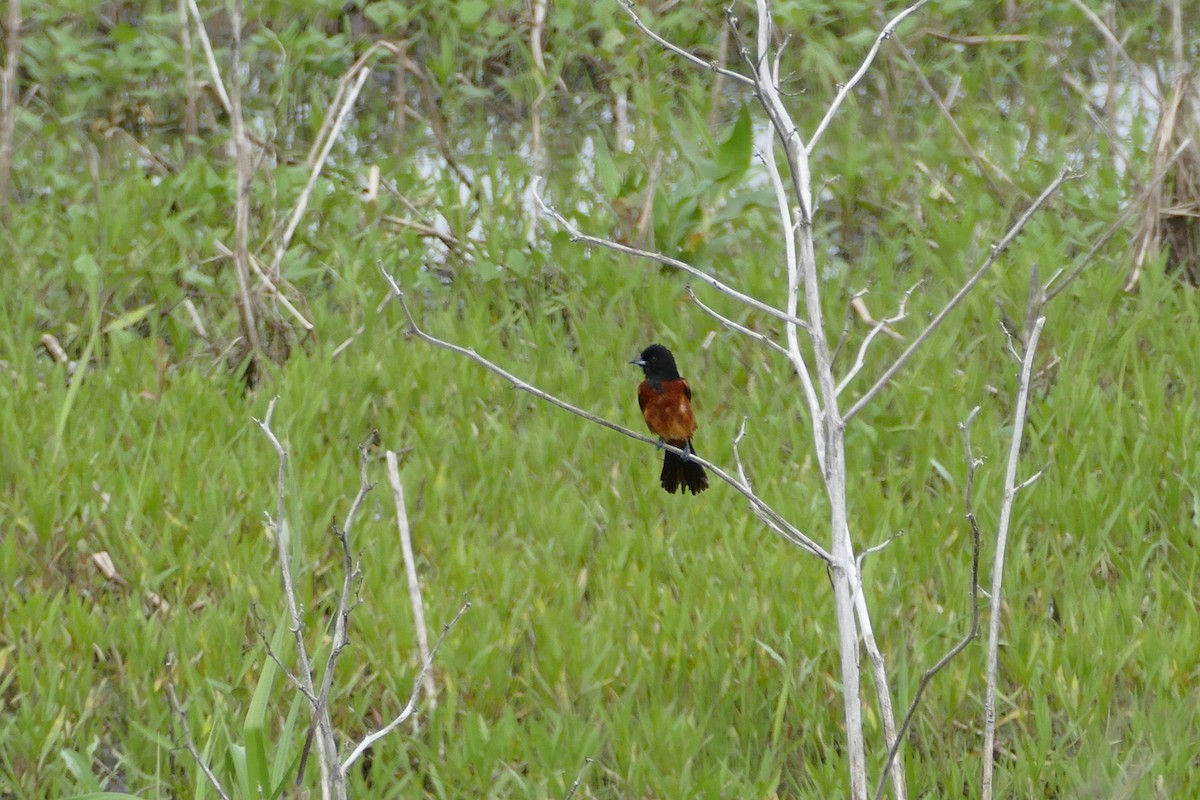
{"type": "Point", "coordinates": [671, 639]}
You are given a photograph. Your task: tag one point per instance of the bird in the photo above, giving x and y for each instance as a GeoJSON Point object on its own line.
{"type": "Point", "coordinates": [666, 402]}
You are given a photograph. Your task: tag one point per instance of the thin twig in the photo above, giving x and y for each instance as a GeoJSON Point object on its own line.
{"type": "Point", "coordinates": [859, 307]}
{"type": "Point", "coordinates": [1135, 205]}
{"type": "Point", "coordinates": [877, 548]}
{"type": "Point", "coordinates": [972, 633]}
{"type": "Point", "coordinates": [189, 743]}
{"type": "Point", "coordinates": [244, 176]}
{"type": "Point", "coordinates": [767, 520]}
{"type": "Point", "coordinates": [849, 85]}
{"type": "Point", "coordinates": [191, 125]}
{"type": "Point", "coordinates": [1029, 481]}
{"type": "Point", "coordinates": [411, 706]}
{"type": "Point", "coordinates": [999, 38]}
{"type": "Point", "coordinates": [410, 571]}
{"type": "Point", "coordinates": [301, 205]}
{"type": "Point", "coordinates": [261, 629]}
{"type": "Point", "coordinates": [1006, 506]}
{"type": "Point", "coordinates": [794, 353]}
{"type": "Point", "coordinates": [742, 329]}
{"type": "Point", "coordinates": [210, 57]}
{"type": "Point", "coordinates": [330, 120]}
{"type": "Point", "coordinates": [422, 229]}
{"type": "Point", "coordinates": [326, 744]}
{"type": "Point", "coordinates": [793, 533]}
{"type": "Point", "coordinates": [587, 762]}
{"type": "Point", "coordinates": [578, 236]}
{"type": "Point", "coordinates": [996, 251]}
{"type": "Point", "coordinates": [627, 5]}
{"type": "Point", "coordinates": [269, 285]}
{"type": "Point", "coordinates": [880, 325]}
{"type": "Point", "coordinates": [1114, 41]}
{"type": "Point", "coordinates": [351, 575]}
{"type": "Point", "coordinates": [985, 165]}
{"type": "Point", "coordinates": [8, 103]}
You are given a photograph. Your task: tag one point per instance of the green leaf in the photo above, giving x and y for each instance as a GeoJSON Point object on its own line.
{"type": "Point", "coordinates": [258, 767]}
{"type": "Point", "coordinates": [516, 262]}
{"type": "Point", "coordinates": [87, 266]}
{"type": "Point", "coordinates": [283, 768]}
{"type": "Point", "coordinates": [128, 319]}
{"type": "Point", "coordinates": [471, 11]}
{"type": "Point", "coordinates": [80, 767]}
{"type": "Point", "coordinates": [612, 41]}
{"type": "Point", "coordinates": [195, 277]}
{"type": "Point", "coordinates": [606, 168]}
{"type": "Point", "coordinates": [733, 156]}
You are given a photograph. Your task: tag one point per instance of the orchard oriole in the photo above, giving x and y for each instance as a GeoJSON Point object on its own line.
{"type": "Point", "coordinates": [666, 402]}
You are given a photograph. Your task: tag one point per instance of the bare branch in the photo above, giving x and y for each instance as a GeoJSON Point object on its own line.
{"type": "Point", "coordinates": [578, 236]}
{"type": "Point", "coordinates": [1006, 505]}
{"type": "Point", "coordinates": [1115, 42]}
{"type": "Point", "coordinates": [825, 417]}
{"type": "Point", "coordinates": [877, 548]}
{"type": "Point", "coordinates": [849, 85]}
{"type": "Point", "coordinates": [268, 284]}
{"type": "Point", "coordinates": [793, 533]}
{"type": "Point", "coordinates": [879, 675]}
{"type": "Point", "coordinates": [322, 725]}
{"type": "Point", "coordinates": [1135, 205]}
{"type": "Point", "coordinates": [245, 174]}
{"type": "Point", "coordinates": [350, 574]}
{"type": "Point", "coordinates": [983, 163]}
{"type": "Point", "coordinates": [795, 355]}
{"type": "Point", "coordinates": [770, 521]}
{"type": "Point", "coordinates": [742, 329]}
{"type": "Point", "coordinates": [995, 253]}
{"type": "Point", "coordinates": [189, 743]}
{"type": "Point", "coordinates": [972, 633]}
{"type": "Point", "coordinates": [880, 325]}
{"type": "Point", "coordinates": [339, 116]}
{"type": "Point", "coordinates": [627, 5]}
{"type": "Point", "coordinates": [260, 628]}
{"type": "Point", "coordinates": [9, 103]}
{"type": "Point", "coordinates": [411, 706]}
{"type": "Point", "coordinates": [410, 570]}
{"type": "Point", "coordinates": [587, 762]}
{"type": "Point", "coordinates": [1029, 481]}
{"type": "Point", "coordinates": [213, 70]}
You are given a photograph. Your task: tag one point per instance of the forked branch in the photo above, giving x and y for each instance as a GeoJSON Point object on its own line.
{"type": "Point", "coordinates": [972, 633]}
{"type": "Point", "coordinates": [410, 707]}
{"type": "Point", "coordinates": [940, 317]}
{"type": "Point", "coordinates": [578, 236]}
{"type": "Point", "coordinates": [790, 532]}
{"type": "Point", "coordinates": [1006, 505]}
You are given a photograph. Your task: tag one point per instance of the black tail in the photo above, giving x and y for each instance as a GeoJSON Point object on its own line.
{"type": "Point", "coordinates": [677, 472]}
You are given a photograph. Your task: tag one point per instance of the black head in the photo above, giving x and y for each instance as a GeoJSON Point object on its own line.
{"type": "Point", "coordinates": [658, 363]}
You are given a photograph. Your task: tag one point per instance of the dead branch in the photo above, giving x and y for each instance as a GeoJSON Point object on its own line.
{"type": "Point", "coordinates": [411, 706]}
{"type": "Point", "coordinates": [793, 534]}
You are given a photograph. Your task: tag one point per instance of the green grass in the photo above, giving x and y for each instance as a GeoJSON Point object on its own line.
{"type": "Point", "coordinates": [673, 640]}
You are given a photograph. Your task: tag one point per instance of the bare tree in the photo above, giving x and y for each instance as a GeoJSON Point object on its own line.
{"type": "Point", "coordinates": [827, 391]}
{"type": "Point", "coordinates": [332, 763]}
